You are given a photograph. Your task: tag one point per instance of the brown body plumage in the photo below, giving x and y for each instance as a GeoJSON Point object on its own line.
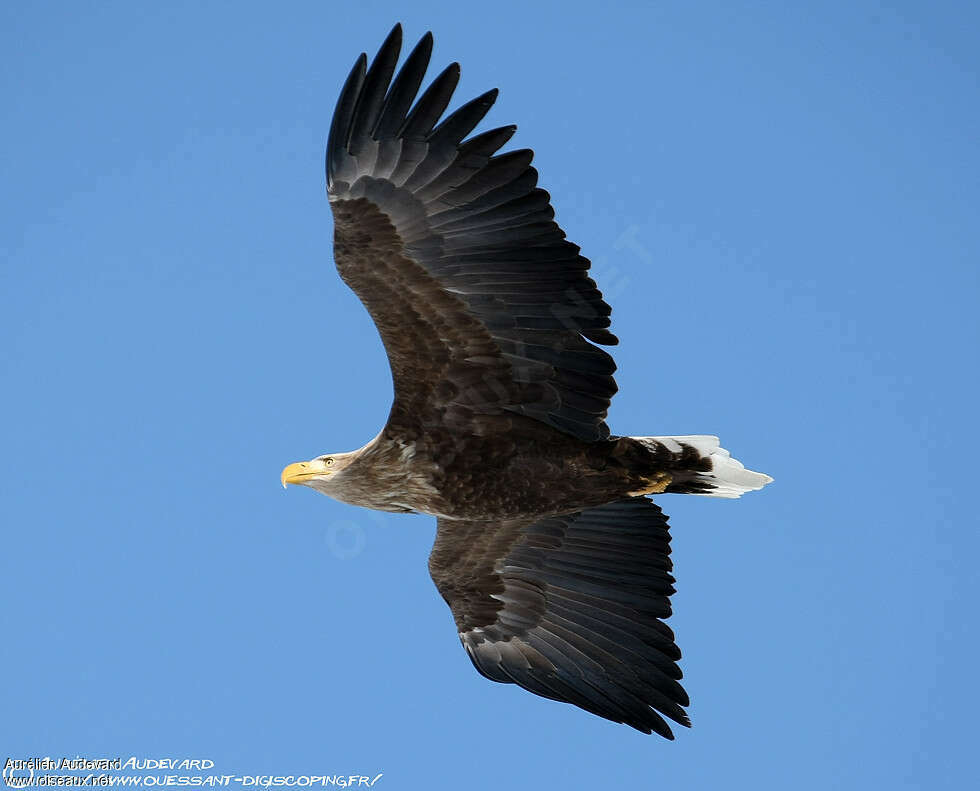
{"type": "Point", "coordinates": [521, 472]}
{"type": "Point", "coordinates": [555, 565]}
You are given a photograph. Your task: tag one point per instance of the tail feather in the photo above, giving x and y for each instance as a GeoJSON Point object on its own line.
{"type": "Point", "coordinates": [713, 473]}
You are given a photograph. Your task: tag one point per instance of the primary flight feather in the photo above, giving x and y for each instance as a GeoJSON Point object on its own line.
{"type": "Point", "coordinates": [554, 562]}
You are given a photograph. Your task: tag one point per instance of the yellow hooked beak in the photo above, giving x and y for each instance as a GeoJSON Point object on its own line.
{"type": "Point", "coordinates": [302, 471]}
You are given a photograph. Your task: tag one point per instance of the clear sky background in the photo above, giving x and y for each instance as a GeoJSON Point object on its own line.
{"type": "Point", "coordinates": [780, 201]}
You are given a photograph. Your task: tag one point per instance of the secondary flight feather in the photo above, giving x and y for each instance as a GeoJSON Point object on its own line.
{"type": "Point", "coordinates": [552, 558]}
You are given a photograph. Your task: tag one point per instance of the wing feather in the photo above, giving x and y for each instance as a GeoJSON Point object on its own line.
{"type": "Point", "coordinates": [404, 89]}
{"type": "Point", "coordinates": [339, 163]}
{"type": "Point", "coordinates": [371, 96]}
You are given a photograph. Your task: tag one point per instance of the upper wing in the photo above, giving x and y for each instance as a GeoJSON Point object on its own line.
{"type": "Point", "coordinates": [483, 306]}
{"type": "Point", "coordinates": [570, 608]}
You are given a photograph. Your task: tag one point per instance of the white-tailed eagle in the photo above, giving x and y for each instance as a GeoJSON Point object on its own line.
{"type": "Point", "coordinates": [553, 560]}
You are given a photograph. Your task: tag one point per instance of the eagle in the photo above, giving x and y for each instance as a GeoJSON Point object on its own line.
{"type": "Point", "coordinates": [551, 556]}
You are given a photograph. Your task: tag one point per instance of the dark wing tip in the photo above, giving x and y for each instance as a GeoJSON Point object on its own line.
{"type": "Point", "coordinates": [394, 36]}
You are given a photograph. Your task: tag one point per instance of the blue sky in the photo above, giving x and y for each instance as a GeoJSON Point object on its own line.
{"type": "Point", "coordinates": [780, 203]}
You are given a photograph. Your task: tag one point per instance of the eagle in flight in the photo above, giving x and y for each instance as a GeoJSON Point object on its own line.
{"type": "Point", "coordinates": [554, 561]}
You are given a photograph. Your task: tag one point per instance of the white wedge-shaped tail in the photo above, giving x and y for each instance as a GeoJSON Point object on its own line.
{"type": "Point", "coordinates": [723, 477]}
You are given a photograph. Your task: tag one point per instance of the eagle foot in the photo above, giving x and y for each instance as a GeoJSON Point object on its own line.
{"type": "Point", "coordinates": [653, 484]}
